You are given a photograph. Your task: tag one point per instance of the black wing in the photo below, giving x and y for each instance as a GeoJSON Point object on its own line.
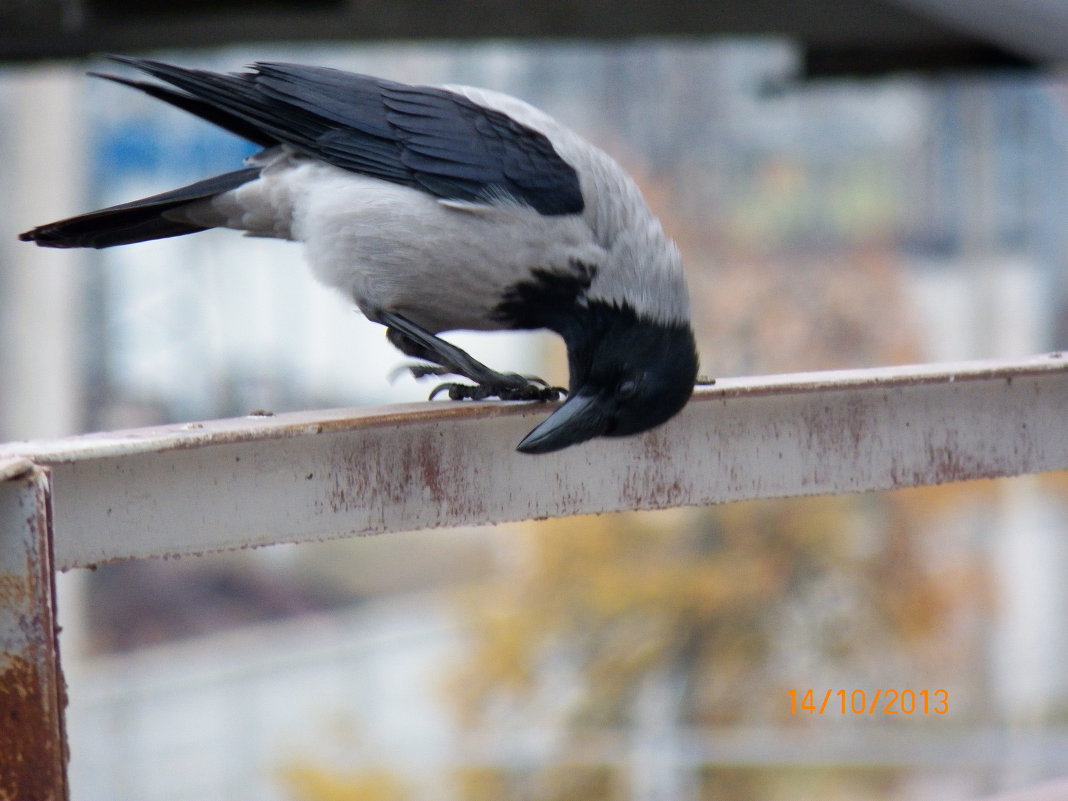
{"type": "Point", "coordinates": [424, 137]}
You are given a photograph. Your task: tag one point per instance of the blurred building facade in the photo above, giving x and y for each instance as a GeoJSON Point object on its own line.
{"type": "Point", "coordinates": [824, 224]}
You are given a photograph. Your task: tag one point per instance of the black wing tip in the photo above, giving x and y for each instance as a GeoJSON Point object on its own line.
{"type": "Point", "coordinates": [107, 76]}
{"type": "Point", "coordinates": [133, 61]}
{"type": "Point", "coordinates": [160, 69]}
{"type": "Point", "coordinates": [138, 63]}
{"type": "Point", "coordinates": [152, 66]}
{"type": "Point", "coordinates": [146, 65]}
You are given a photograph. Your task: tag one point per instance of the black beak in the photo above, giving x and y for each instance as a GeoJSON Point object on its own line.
{"type": "Point", "coordinates": [580, 418]}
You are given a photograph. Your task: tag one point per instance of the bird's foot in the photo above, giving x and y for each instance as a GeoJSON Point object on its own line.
{"type": "Point", "coordinates": [704, 381]}
{"type": "Point", "coordinates": [513, 388]}
{"type": "Point", "coordinates": [506, 386]}
{"type": "Point", "coordinates": [446, 359]}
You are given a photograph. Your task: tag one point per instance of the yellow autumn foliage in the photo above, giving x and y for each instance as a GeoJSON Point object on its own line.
{"type": "Point", "coordinates": [705, 592]}
{"type": "Point", "coordinates": [308, 780]}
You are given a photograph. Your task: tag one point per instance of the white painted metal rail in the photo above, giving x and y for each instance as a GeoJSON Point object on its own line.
{"type": "Point", "coordinates": [252, 481]}
{"type": "Point", "coordinates": [258, 480]}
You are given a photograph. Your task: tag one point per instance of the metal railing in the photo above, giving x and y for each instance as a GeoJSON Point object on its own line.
{"type": "Point", "coordinates": [258, 480]}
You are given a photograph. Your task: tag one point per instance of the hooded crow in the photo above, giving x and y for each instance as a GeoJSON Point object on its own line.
{"type": "Point", "coordinates": [436, 209]}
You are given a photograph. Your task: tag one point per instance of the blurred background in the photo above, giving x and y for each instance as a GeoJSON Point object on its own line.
{"type": "Point", "coordinates": [865, 200]}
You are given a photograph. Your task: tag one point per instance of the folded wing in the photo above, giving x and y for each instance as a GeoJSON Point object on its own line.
{"type": "Point", "coordinates": [424, 137]}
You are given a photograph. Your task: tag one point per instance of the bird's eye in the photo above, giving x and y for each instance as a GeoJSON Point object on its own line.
{"type": "Point", "coordinates": [627, 389]}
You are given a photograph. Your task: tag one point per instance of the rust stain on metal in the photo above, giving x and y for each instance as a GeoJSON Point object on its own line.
{"type": "Point", "coordinates": [418, 468]}
{"type": "Point", "coordinates": [31, 765]}
{"type": "Point", "coordinates": [652, 481]}
{"type": "Point", "coordinates": [947, 464]}
{"type": "Point", "coordinates": [839, 427]}
{"type": "Point", "coordinates": [33, 747]}
{"type": "Point", "coordinates": [13, 591]}
{"type": "Point", "coordinates": [432, 474]}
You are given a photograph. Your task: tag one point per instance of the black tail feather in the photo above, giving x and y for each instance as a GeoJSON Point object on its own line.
{"type": "Point", "coordinates": [138, 221]}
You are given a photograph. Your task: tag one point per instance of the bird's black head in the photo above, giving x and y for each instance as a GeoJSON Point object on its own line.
{"type": "Point", "coordinates": [627, 375]}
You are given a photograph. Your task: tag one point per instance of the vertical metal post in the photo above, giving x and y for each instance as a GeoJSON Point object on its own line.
{"type": "Point", "coordinates": [33, 746]}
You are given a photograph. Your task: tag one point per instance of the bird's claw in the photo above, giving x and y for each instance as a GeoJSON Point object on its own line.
{"type": "Point", "coordinates": [510, 387]}
{"type": "Point", "coordinates": [531, 390]}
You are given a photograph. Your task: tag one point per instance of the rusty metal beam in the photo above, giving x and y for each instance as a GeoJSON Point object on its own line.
{"type": "Point", "coordinates": [314, 475]}
{"type": "Point", "coordinates": [33, 748]}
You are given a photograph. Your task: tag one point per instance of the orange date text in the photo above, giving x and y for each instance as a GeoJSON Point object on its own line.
{"type": "Point", "coordinates": [869, 702]}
